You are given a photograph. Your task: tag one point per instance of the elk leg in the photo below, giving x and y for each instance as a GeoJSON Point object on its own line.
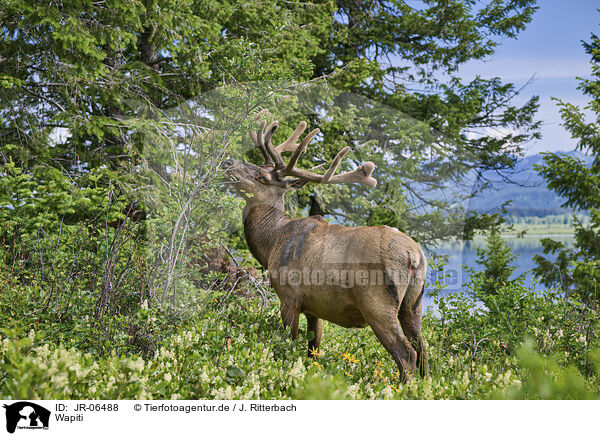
{"type": "Point", "coordinates": [410, 315]}
{"type": "Point", "coordinates": [314, 325]}
{"type": "Point", "coordinates": [391, 337]}
{"type": "Point", "coordinates": [290, 315]}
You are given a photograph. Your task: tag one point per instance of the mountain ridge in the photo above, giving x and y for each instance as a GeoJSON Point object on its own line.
{"type": "Point", "coordinates": [527, 190]}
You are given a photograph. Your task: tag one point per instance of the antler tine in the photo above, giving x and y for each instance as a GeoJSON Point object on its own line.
{"type": "Point", "coordinates": [361, 175]}
{"type": "Point", "coordinates": [258, 114]}
{"type": "Point", "coordinates": [290, 143]}
{"type": "Point", "coordinates": [299, 150]}
{"type": "Point", "coordinates": [335, 164]}
{"type": "Point", "coordinates": [261, 132]}
{"type": "Point", "coordinates": [259, 139]}
{"type": "Point", "coordinates": [254, 137]}
{"type": "Point", "coordinates": [273, 153]}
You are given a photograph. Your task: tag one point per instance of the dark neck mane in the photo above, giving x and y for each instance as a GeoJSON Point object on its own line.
{"type": "Point", "coordinates": [261, 225]}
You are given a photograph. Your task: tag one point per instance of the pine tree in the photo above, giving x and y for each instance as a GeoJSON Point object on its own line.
{"type": "Point", "coordinates": [408, 57]}
{"type": "Point", "coordinates": [496, 259]}
{"type": "Point", "coordinates": [577, 270]}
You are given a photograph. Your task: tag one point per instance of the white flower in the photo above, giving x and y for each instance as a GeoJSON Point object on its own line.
{"type": "Point", "coordinates": [297, 370]}
{"type": "Point", "coordinates": [387, 392]}
{"type": "Point", "coordinates": [136, 365]}
{"type": "Point", "coordinates": [59, 379]}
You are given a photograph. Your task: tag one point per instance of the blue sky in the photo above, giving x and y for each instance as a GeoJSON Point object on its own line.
{"type": "Point", "coordinates": [549, 50]}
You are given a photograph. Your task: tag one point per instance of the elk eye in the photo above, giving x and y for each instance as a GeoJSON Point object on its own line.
{"type": "Point", "coordinates": [262, 178]}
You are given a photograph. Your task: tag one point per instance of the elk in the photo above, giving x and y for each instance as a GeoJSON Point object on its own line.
{"type": "Point", "coordinates": [351, 276]}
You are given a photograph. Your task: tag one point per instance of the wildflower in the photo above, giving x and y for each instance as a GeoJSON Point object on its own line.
{"type": "Point", "coordinates": [168, 377]}
{"type": "Point", "coordinates": [315, 352]}
{"type": "Point", "coordinates": [387, 392]}
{"type": "Point", "coordinates": [59, 380]}
{"type": "Point", "coordinates": [136, 365]}
{"type": "Point", "coordinates": [317, 364]}
{"type": "Point", "coordinates": [297, 369]}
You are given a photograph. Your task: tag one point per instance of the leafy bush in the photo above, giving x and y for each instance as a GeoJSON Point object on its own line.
{"type": "Point", "coordinates": [229, 347]}
{"type": "Point", "coordinates": [545, 379]}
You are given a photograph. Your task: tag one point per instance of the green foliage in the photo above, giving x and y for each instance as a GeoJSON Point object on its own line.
{"type": "Point", "coordinates": [228, 347]}
{"type": "Point", "coordinates": [545, 379]}
{"type": "Point", "coordinates": [496, 259]}
{"type": "Point", "coordinates": [577, 270]}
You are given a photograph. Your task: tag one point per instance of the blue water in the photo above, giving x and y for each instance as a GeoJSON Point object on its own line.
{"type": "Point", "coordinates": [461, 255]}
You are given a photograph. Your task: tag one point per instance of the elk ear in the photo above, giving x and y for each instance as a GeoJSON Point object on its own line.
{"type": "Point", "coordinates": [295, 183]}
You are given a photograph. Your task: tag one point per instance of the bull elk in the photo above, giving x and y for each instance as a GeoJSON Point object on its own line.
{"type": "Point", "coordinates": [351, 276]}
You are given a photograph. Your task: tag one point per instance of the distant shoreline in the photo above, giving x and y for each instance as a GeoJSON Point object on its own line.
{"type": "Point", "coordinates": [533, 235]}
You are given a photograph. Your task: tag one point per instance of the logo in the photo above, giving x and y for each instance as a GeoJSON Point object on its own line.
{"type": "Point", "coordinates": [26, 415]}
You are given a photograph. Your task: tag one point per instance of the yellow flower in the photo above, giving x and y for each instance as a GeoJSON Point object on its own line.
{"type": "Point", "coordinates": [349, 357]}
{"type": "Point", "coordinates": [315, 352]}
{"type": "Point", "coordinates": [317, 364]}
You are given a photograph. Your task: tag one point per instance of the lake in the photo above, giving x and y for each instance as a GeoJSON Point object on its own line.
{"type": "Point", "coordinates": [462, 254]}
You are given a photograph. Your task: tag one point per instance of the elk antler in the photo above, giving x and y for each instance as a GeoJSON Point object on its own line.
{"type": "Point", "coordinates": [262, 139]}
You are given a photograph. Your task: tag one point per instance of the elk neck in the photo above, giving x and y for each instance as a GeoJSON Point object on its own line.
{"type": "Point", "coordinates": [263, 225]}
